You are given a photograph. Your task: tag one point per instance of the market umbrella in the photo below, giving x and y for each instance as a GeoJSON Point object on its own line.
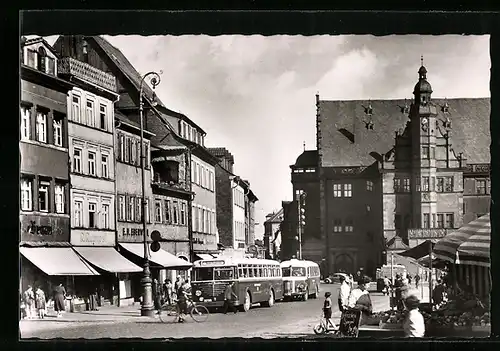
{"type": "Point", "coordinates": [419, 251]}
{"type": "Point", "coordinates": [468, 245]}
{"type": "Point", "coordinates": [436, 263]}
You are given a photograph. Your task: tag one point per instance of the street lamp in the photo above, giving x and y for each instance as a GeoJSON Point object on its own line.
{"type": "Point", "coordinates": [147, 293]}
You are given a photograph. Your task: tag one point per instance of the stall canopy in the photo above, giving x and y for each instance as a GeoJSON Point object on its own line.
{"type": "Point", "coordinates": [57, 260]}
{"type": "Point", "coordinates": [107, 259]}
{"type": "Point", "coordinates": [160, 258]}
{"type": "Point", "coordinates": [419, 251]}
{"type": "Point", "coordinates": [468, 245]}
{"type": "Point", "coordinates": [205, 256]}
{"type": "Point", "coordinates": [436, 263]}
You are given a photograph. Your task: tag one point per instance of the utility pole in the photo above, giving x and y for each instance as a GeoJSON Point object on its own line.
{"type": "Point", "coordinates": [300, 196]}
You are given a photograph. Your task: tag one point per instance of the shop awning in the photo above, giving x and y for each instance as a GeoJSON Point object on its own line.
{"type": "Point", "coordinates": [107, 259]}
{"type": "Point", "coordinates": [419, 251]}
{"type": "Point", "coordinates": [161, 257]}
{"type": "Point", "coordinates": [57, 260]}
{"type": "Point", "coordinates": [468, 245]}
{"type": "Point", "coordinates": [205, 256]}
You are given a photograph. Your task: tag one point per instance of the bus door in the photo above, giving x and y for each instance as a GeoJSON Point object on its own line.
{"type": "Point", "coordinates": [222, 277]}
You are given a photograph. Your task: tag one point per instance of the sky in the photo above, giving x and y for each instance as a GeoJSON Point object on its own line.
{"type": "Point", "coordinates": [255, 95]}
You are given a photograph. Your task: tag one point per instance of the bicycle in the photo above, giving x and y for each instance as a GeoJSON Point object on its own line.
{"type": "Point", "coordinates": [325, 327]}
{"type": "Point", "coordinates": [199, 313]}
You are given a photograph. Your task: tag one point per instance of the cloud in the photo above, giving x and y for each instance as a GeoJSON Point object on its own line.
{"type": "Point", "coordinates": [255, 94]}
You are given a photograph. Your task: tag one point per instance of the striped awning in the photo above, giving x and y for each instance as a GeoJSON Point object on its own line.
{"type": "Point", "coordinates": [468, 245]}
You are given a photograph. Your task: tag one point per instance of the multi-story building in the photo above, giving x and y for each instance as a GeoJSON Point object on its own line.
{"type": "Point", "coordinates": [392, 173]}
{"type": "Point", "coordinates": [250, 200]}
{"type": "Point", "coordinates": [44, 180]}
{"type": "Point", "coordinates": [170, 129]}
{"type": "Point", "coordinates": [91, 149]}
{"type": "Point", "coordinates": [272, 234]}
{"type": "Point", "coordinates": [235, 204]}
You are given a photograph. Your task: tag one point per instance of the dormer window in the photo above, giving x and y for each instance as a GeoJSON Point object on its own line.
{"type": "Point", "coordinates": [51, 66]}
{"type": "Point", "coordinates": [31, 58]}
{"type": "Point", "coordinates": [42, 54]}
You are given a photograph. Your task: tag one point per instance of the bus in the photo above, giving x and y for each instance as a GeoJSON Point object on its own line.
{"type": "Point", "coordinates": [300, 279]}
{"type": "Point", "coordinates": [256, 281]}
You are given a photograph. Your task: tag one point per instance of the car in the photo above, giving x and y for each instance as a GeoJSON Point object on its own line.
{"type": "Point", "coordinates": [335, 278]}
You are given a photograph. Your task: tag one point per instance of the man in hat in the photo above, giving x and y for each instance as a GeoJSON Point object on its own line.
{"type": "Point", "coordinates": [414, 324]}
{"type": "Point", "coordinates": [344, 292]}
{"type": "Point", "coordinates": [360, 300]}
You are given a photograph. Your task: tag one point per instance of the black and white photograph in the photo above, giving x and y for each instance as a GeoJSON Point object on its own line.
{"type": "Point", "coordinates": [250, 186]}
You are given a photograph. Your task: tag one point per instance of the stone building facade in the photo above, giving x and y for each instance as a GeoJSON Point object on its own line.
{"type": "Point", "coordinates": [392, 173]}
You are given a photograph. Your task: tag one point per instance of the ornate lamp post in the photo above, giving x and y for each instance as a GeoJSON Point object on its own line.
{"type": "Point", "coordinates": [147, 293]}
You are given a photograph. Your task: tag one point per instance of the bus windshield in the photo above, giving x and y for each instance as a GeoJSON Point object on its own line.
{"type": "Point", "coordinates": [294, 272]}
{"type": "Point", "coordinates": [213, 273]}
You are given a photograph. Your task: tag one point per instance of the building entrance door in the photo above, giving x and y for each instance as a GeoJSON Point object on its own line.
{"type": "Point", "coordinates": [344, 263]}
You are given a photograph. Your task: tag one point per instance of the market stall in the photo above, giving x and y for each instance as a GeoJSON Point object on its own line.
{"type": "Point", "coordinates": [465, 312]}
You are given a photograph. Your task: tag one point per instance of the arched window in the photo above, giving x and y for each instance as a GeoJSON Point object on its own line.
{"type": "Point", "coordinates": [42, 54]}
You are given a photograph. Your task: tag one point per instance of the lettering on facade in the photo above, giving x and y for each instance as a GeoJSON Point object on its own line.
{"type": "Point", "coordinates": [431, 233]}
{"type": "Point", "coordinates": [198, 241]}
{"type": "Point", "coordinates": [425, 196]}
{"type": "Point", "coordinates": [134, 232]}
{"type": "Point", "coordinates": [478, 168]}
{"type": "Point", "coordinates": [92, 238]}
{"type": "Point", "coordinates": [35, 229]}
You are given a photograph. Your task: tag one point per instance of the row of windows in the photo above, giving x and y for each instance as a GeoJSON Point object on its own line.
{"type": "Point", "coordinates": [94, 212]}
{"type": "Point", "coordinates": [93, 113]}
{"type": "Point", "coordinates": [346, 227]}
{"type": "Point", "coordinates": [258, 271]}
{"type": "Point", "coordinates": [238, 198]}
{"type": "Point", "coordinates": [439, 220]}
{"type": "Point", "coordinates": [483, 187]}
{"type": "Point", "coordinates": [129, 149]}
{"type": "Point", "coordinates": [130, 209]}
{"type": "Point", "coordinates": [337, 190]}
{"type": "Point", "coordinates": [202, 176]}
{"type": "Point", "coordinates": [190, 133]}
{"type": "Point", "coordinates": [304, 170]}
{"type": "Point", "coordinates": [42, 129]}
{"type": "Point", "coordinates": [45, 194]}
{"type": "Point", "coordinates": [204, 220]}
{"type": "Point", "coordinates": [171, 211]}
{"type": "Point", "coordinates": [40, 61]}
{"type": "Point", "coordinates": [92, 161]}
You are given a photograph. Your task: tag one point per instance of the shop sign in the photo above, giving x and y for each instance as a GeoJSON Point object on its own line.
{"type": "Point", "coordinates": [430, 233]}
{"type": "Point", "coordinates": [44, 228]}
{"type": "Point", "coordinates": [349, 170]}
{"type": "Point", "coordinates": [92, 238]}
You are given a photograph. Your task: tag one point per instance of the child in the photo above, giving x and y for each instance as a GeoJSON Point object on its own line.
{"type": "Point", "coordinates": [40, 302]}
{"type": "Point", "coordinates": [327, 310]}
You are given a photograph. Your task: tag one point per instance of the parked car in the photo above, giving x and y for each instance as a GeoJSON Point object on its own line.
{"type": "Point", "coordinates": [335, 278]}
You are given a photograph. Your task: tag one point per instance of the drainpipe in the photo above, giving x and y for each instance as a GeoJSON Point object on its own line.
{"type": "Point", "coordinates": [190, 207]}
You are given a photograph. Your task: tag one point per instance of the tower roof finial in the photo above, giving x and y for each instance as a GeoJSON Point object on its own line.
{"type": "Point", "coordinates": [304, 144]}
{"type": "Point", "coordinates": [421, 60]}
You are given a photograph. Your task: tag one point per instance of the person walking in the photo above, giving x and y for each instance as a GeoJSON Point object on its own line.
{"type": "Point", "coordinates": [417, 280]}
{"type": "Point", "coordinates": [409, 277]}
{"type": "Point", "coordinates": [29, 302]}
{"type": "Point", "coordinates": [229, 298]}
{"type": "Point", "coordinates": [414, 324]}
{"type": "Point", "coordinates": [438, 293]}
{"type": "Point", "coordinates": [360, 300]}
{"type": "Point", "coordinates": [182, 299]}
{"type": "Point", "coordinates": [157, 295]}
{"type": "Point", "coordinates": [167, 290]}
{"type": "Point", "coordinates": [344, 292]}
{"type": "Point", "coordinates": [59, 295]}
{"type": "Point", "coordinates": [40, 302]}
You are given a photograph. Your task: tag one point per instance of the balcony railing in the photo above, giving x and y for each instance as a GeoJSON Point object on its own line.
{"type": "Point", "coordinates": [428, 233]}
{"type": "Point", "coordinates": [84, 71]}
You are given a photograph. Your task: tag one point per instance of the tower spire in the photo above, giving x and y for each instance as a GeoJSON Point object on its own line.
{"type": "Point", "coordinates": [421, 60]}
{"type": "Point", "coordinates": [304, 144]}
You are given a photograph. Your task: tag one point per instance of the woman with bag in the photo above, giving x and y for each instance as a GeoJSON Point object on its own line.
{"type": "Point", "coordinates": [59, 297]}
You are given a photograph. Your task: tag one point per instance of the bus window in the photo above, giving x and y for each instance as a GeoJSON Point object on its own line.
{"type": "Point", "coordinates": [203, 273]}
{"type": "Point", "coordinates": [240, 272]}
{"type": "Point", "coordinates": [225, 273]}
{"type": "Point", "coordinates": [286, 271]}
{"type": "Point", "coordinates": [298, 272]}
{"type": "Point", "coordinates": [259, 272]}
{"type": "Point", "coordinates": [250, 272]}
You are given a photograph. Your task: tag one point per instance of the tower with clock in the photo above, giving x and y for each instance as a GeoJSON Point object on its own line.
{"type": "Point", "coordinates": [423, 117]}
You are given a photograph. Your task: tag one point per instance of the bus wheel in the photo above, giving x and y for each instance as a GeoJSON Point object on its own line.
{"type": "Point", "coordinates": [247, 303]}
{"type": "Point", "coordinates": [270, 302]}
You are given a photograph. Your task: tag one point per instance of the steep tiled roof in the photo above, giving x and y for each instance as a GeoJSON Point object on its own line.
{"type": "Point", "coordinates": [308, 158]}
{"type": "Point", "coordinates": [124, 119]}
{"type": "Point", "coordinates": [135, 77]}
{"type": "Point", "coordinates": [28, 42]}
{"type": "Point", "coordinates": [345, 141]}
{"type": "Point", "coordinates": [221, 152]}
{"type": "Point", "coordinates": [275, 216]}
